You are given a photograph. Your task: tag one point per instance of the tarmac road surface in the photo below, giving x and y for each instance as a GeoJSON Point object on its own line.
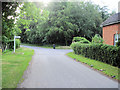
{"type": "Point", "coordinates": [51, 68]}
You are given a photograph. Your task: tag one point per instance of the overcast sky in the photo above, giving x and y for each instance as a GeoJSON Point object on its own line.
{"type": "Point", "coordinates": [111, 4]}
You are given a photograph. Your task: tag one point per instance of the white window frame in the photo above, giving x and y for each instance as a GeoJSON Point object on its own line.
{"type": "Point", "coordinates": [116, 37]}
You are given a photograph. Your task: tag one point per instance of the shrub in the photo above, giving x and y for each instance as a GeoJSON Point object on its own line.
{"type": "Point", "coordinates": [104, 53]}
{"type": "Point", "coordinates": [97, 39]}
{"type": "Point", "coordinates": [11, 43]}
{"type": "Point", "coordinates": [118, 43]}
{"type": "Point", "coordinates": [17, 42]}
{"type": "Point", "coordinates": [80, 39]}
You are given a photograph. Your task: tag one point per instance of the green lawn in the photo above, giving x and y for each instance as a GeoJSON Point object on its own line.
{"type": "Point", "coordinates": [107, 69]}
{"type": "Point", "coordinates": [14, 65]}
{"type": "Point", "coordinates": [48, 46]}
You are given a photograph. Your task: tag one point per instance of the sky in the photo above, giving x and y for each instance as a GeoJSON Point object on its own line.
{"type": "Point", "coordinates": [111, 4]}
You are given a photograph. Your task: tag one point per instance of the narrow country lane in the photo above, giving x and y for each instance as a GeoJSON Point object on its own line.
{"type": "Point", "coordinates": [51, 68]}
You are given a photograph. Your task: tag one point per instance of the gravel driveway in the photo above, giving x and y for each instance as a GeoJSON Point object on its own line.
{"type": "Point", "coordinates": [51, 68]}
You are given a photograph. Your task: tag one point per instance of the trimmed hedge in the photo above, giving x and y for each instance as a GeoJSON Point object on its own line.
{"type": "Point", "coordinates": [11, 43]}
{"type": "Point", "coordinates": [80, 40]}
{"type": "Point", "coordinates": [97, 39]}
{"type": "Point", "coordinates": [101, 52]}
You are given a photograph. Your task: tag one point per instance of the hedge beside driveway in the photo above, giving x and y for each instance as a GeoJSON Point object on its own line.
{"type": "Point", "coordinates": [101, 52]}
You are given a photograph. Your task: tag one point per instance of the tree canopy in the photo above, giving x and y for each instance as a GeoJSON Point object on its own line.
{"type": "Point", "coordinates": [57, 23]}
{"type": "Point", "coordinates": [8, 19]}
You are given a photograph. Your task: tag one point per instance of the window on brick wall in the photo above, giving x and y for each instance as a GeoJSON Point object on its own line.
{"type": "Point", "coordinates": [116, 37]}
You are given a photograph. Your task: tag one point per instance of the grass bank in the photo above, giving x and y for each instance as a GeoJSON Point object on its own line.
{"type": "Point", "coordinates": [104, 68]}
{"type": "Point", "coordinates": [48, 46]}
{"type": "Point", "coordinates": [14, 65]}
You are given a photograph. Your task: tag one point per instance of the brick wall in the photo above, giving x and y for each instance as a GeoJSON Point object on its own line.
{"type": "Point", "coordinates": [108, 33]}
{"type": "Point", "coordinates": [119, 28]}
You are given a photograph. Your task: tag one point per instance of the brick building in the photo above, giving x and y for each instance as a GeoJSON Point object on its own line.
{"type": "Point", "coordinates": [111, 29]}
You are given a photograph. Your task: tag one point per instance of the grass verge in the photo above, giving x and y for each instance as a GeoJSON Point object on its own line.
{"type": "Point", "coordinates": [14, 65]}
{"type": "Point", "coordinates": [48, 46]}
{"type": "Point", "coordinates": [107, 69]}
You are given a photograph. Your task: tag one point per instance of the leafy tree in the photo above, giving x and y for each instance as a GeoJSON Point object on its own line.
{"type": "Point", "coordinates": [59, 22]}
{"type": "Point", "coordinates": [8, 19]}
{"type": "Point", "coordinates": [86, 16]}
{"type": "Point", "coordinates": [30, 22]}
{"type": "Point", "coordinates": [104, 12]}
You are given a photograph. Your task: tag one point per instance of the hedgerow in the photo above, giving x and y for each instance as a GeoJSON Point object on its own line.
{"type": "Point", "coordinates": [101, 52]}
{"type": "Point", "coordinates": [80, 40]}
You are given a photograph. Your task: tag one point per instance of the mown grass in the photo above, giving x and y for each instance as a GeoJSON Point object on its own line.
{"type": "Point", "coordinates": [48, 46]}
{"type": "Point", "coordinates": [107, 69]}
{"type": "Point", "coordinates": [14, 65]}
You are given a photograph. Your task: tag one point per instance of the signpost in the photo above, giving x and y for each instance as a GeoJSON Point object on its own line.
{"type": "Point", "coordinates": [14, 41]}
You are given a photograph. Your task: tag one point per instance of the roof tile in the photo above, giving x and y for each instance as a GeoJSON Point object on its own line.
{"type": "Point", "coordinates": [112, 20]}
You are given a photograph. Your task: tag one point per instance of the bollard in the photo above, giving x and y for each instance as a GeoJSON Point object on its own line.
{"type": "Point", "coordinates": [53, 46]}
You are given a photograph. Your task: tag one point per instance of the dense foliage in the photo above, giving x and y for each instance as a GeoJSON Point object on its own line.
{"type": "Point", "coordinates": [59, 22]}
{"type": "Point", "coordinates": [32, 23]}
{"type": "Point", "coordinates": [104, 53]}
{"type": "Point", "coordinates": [8, 19]}
{"type": "Point", "coordinates": [97, 39]}
{"type": "Point", "coordinates": [80, 40]}
{"type": "Point", "coordinates": [11, 44]}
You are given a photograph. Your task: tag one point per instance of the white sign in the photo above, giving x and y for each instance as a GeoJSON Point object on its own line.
{"type": "Point", "coordinates": [17, 37]}
{"type": "Point", "coordinates": [14, 41]}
